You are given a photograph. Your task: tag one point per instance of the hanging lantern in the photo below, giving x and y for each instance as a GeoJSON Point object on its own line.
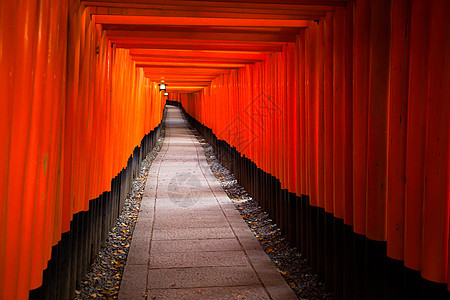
{"type": "Point", "coordinates": [166, 94]}
{"type": "Point", "coordinates": [162, 87]}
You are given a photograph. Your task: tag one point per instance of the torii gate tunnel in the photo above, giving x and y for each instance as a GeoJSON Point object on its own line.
{"type": "Point", "coordinates": [333, 114]}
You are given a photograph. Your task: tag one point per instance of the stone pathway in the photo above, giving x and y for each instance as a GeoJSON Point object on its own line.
{"type": "Point", "coordinates": [190, 242]}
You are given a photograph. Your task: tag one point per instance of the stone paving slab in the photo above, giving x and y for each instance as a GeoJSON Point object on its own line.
{"type": "Point", "coordinates": [134, 282]}
{"type": "Point", "coordinates": [230, 244]}
{"type": "Point", "coordinates": [192, 223]}
{"type": "Point", "coordinates": [256, 292]}
{"type": "Point", "coordinates": [201, 204]}
{"type": "Point", "coordinates": [160, 260]}
{"type": "Point", "coordinates": [189, 214]}
{"type": "Point", "coordinates": [202, 277]}
{"type": "Point", "coordinates": [138, 254]}
{"type": "Point", "coordinates": [192, 233]}
{"type": "Point", "coordinates": [190, 242]}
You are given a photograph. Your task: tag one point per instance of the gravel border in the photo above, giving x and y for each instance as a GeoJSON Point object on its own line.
{"type": "Point", "coordinates": [289, 262]}
{"type": "Point", "coordinates": [105, 274]}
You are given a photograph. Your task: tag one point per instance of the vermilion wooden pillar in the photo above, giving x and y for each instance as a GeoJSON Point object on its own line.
{"type": "Point", "coordinates": [436, 207]}
{"type": "Point", "coordinates": [398, 107]}
{"type": "Point", "coordinates": [416, 133]}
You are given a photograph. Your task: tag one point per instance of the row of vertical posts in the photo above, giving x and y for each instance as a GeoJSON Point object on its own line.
{"type": "Point", "coordinates": [73, 109]}
{"type": "Point", "coordinates": [350, 265]}
{"type": "Point", "coordinates": [352, 119]}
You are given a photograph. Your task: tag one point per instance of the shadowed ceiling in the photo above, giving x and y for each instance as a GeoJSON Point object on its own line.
{"type": "Point", "coordinates": [186, 44]}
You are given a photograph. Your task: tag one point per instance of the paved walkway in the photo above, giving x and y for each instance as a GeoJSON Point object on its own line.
{"type": "Point", "coordinates": [190, 242]}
